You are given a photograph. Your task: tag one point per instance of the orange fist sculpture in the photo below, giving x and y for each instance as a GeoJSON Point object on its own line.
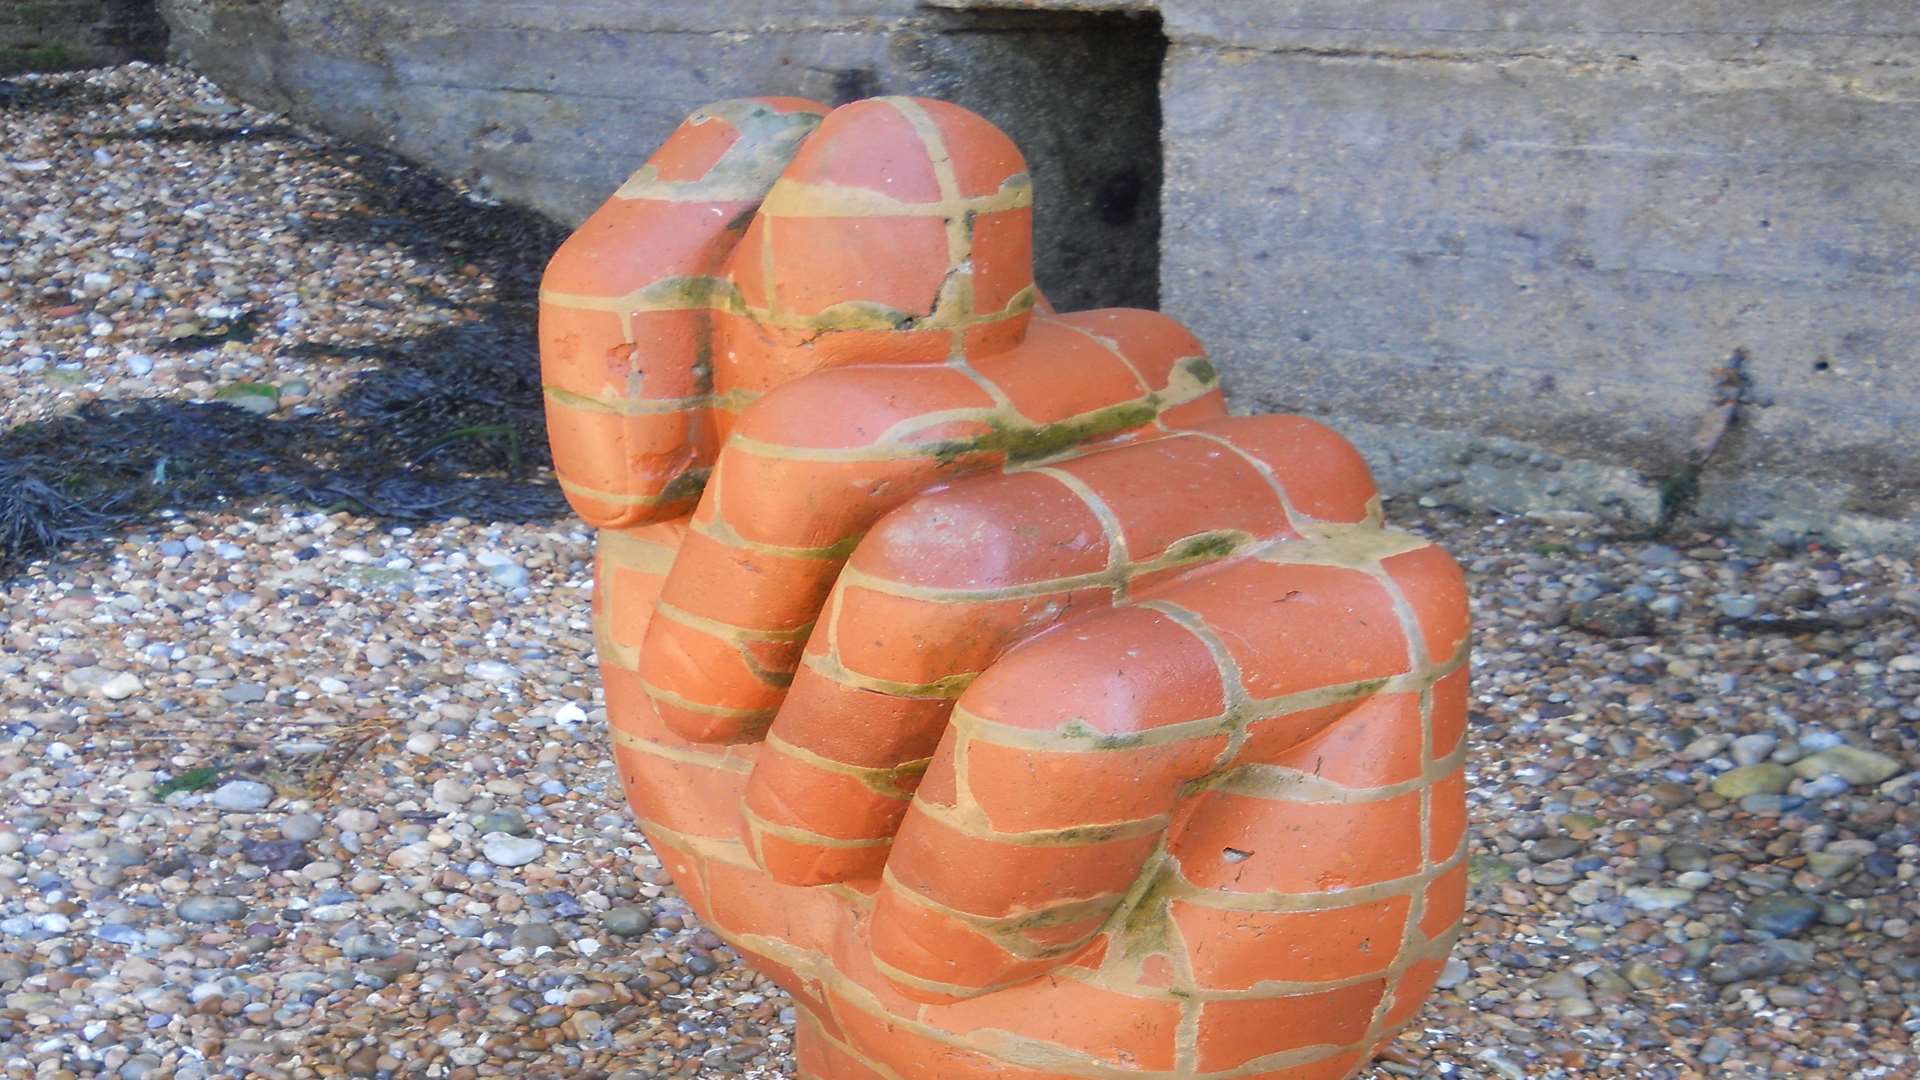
{"type": "Point", "coordinates": [974, 673]}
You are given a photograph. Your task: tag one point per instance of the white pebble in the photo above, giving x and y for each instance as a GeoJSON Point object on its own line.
{"type": "Point", "coordinates": [120, 686]}
{"type": "Point", "coordinates": [242, 795]}
{"type": "Point", "coordinates": [356, 821]}
{"type": "Point", "coordinates": [504, 849]}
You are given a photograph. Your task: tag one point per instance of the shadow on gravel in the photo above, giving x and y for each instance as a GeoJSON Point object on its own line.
{"type": "Point", "coordinates": [204, 133]}
{"type": "Point", "coordinates": [449, 424]}
{"type": "Point", "coordinates": [44, 97]}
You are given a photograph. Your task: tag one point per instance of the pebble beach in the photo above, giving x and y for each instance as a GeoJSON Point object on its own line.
{"type": "Point", "coordinates": [303, 767]}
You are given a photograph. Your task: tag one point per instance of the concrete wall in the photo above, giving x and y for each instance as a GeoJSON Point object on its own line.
{"type": "Point", "coordinates": [553, 104]}
{"type": "Point", "coordinates": [1511, 247]}
{"type": "Point", "coordinates": [58, 35]}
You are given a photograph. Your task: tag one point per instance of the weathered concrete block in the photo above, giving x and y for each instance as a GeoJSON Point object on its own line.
{"type": "Point", "coordinates": [1546, 226]}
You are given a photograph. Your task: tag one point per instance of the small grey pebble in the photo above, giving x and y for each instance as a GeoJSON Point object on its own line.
{"type": "Point", "coordinates": [628, 921]}
{"type": "Point", "coordinates": [1826, 787]}
{"type": "Point", "coordinates": [210, 909]}
{"type": "Point", "coordinates": [1553, 873]}
{"type": "Point", "coordinates": [1553, 848]}
{"type": "Point", "coordinates": [1753, 749]}
{"type": "Point", "coordinates": [275, 854]}
{"type": "Point", "coordinates": [300, 828]}
{"type": "Point", "coordinates": [367, 947]}
{"type": "Point", "coordinates": [505, 820]}
{"type": "Point", "coordinates": [242, 693]}
{"type": "Point", "coordinates": [1453, 973]}
{"type": "Point", "coordinates": [1685, 858]}
{"type": "Point", "coordinates": [1761, 960]}
{"type": "Point", "coordinates": [534, 935]}
{"type": "Point", "coordinates": [1781, 915]}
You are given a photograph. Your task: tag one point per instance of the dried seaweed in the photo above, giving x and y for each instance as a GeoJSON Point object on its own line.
{"type": "Point", "coordinates": [36, 515]}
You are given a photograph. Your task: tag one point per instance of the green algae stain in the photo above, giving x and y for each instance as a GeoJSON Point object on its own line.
{"type": "Point", "coordinates": [1144, 922]}
{"type": "Point", "coordinates": [1028, 444]}
{"type": "Point", "coordinates": [1209, 545]}
{"type": "Point", "coordinates": [694, 291]}
{"type": "Point", "coordinates": [1202, 370]}
{"type": "Point", "coordinates": [1031, 442]}
{"type": "Point", "coordinates": [687, 485]}
{"type": "Point", "coordinates": [861, 315]}
{"type": "Point", "coordinates": [900, 781]}
{"type": "Point", "coordinates": [1101, 740]}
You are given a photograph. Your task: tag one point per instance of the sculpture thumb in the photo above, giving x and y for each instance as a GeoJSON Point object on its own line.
{"type": "Point", "coordinates": [626, 312]}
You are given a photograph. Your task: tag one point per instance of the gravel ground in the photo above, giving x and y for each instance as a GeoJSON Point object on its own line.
{"type": "Point", "coordinates": [303, 761]}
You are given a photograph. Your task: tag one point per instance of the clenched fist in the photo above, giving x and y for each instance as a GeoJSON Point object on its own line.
{"type": "Point", "coordinates": [1022, 713]}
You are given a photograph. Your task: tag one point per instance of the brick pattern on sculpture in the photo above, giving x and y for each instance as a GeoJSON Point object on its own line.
{"type": "Point", "coordinates": [972, 671]}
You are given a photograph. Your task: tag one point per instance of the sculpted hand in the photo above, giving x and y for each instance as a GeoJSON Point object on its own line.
{"type": "Point", "coordinates": [974, 674]}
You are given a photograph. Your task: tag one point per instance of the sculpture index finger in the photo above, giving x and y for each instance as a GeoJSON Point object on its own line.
{"type": "Point", "coordinates": [942, 587]}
